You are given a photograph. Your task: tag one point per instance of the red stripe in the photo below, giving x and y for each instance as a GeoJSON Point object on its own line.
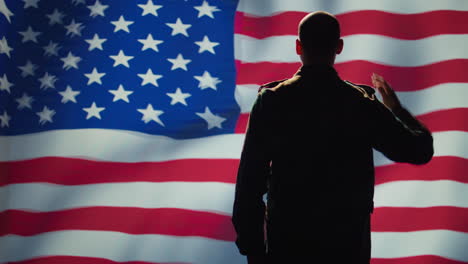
{"type": "Point", "coordinates": [69, 171]}
{"type": "Point", "coordinates": [82, 260]}
{"type": "Point", "coordinates": [242, 121]}
{"type": "Point", "coordinates": [439, 168]}
{"type": "Point", "coordinates": [426, 259]}
{"type": "Point", "coordinates": [83, 171]}
{"type": "Point", "coordinates": [398, 219]}
{"type": "Point", "coordinates": [131, 220]}
{"type": "Point", "coordinates": [90, 172]}
{"type": "Point", "coordinates": [401, 78]}
{"type": "Point", "coordinates": [444, 120]}
{"type": "Point", "coordinates": [416, 26]}
{"type": "Point", "coordinates": [179, 222]}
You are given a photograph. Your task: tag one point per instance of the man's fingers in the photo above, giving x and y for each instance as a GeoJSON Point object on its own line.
{"type": "Point", "coordinates": [379, 81]}
{"type": "Point", "coordinates": [375, 82]}
{"type": "Point", "coordinates": [378, 77]}
{"type": "Point", "coordinates": [378, 84]}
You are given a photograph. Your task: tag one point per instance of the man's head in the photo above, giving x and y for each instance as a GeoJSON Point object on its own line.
{"type": "Point", "coordinates": [319, 38]}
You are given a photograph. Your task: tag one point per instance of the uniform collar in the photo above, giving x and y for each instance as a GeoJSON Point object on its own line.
{"type": "Point", "coordinates": [317, 70]}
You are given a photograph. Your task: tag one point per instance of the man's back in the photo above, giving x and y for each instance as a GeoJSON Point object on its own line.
{"type": "Point", "coordinates": [309, 145]}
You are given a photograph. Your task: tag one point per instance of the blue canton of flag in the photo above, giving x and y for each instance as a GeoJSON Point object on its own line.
{"type": "Point", "coordinates": [158, 67]}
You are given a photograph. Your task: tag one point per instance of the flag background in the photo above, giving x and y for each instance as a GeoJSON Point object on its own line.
{"type": "Point", "coordinates": [117, 186]}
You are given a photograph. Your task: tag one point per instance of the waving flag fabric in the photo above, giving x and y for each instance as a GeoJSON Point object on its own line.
{"type": "Point", "coordinates": [121, 123]}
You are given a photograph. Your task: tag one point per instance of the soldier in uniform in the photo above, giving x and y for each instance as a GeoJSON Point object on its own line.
{"type": "Point", "coordinates": [309, 147]}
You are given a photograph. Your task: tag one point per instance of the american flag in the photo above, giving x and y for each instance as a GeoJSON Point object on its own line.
{"type": "Point", "coordinates": [121, 123]}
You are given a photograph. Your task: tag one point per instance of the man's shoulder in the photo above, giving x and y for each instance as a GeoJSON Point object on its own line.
{"type": "Point", "coordinates": [362, 90]}
{"type": "Point", "coordinates": [276, 85]}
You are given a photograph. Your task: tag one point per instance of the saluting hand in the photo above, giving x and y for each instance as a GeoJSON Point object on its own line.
{"type": "Point", "coordinates": [390, 99]}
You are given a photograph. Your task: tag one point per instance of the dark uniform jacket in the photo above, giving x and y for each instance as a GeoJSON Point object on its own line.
{"type": "Point", "coordinates": [309, 147]}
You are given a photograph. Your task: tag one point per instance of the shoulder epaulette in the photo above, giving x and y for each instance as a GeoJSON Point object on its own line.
{"type": "Point", "coordinates": [270, 85]}
{"type": "Point", "coordinates": [367, 91]}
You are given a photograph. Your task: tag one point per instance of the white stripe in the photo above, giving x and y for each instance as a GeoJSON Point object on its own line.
{"type": "Point", "coordinates": [270, 7]}
{"type": "Point", "coordinates": [448, 143]}
{"type": "Point", "coordinates": [210, 197]}
{"type": "Point", "coordinates": [421, 194]}
{"type": "Point", "coordinates": [117, 145]}
{"type": "Point", "coordinates": [374, 48]}
{"type": "Point", "coordinates": [122, 146]}
{"type": "Point", "coordinates": [119, 247]}
{"type": "Point", "coordinates": [439, 97]}
{"type": "Point", "coordinates": [202, 196]}
{"type": "Point", "coordinates": [443, 243]}
{"type": "Point", "coordinates": [245, 96]}
{"type": "Point", "coordinates": [122, 247]}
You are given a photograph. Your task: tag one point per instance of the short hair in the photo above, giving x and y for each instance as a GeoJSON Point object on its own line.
{"type": "Point", "coordinates": [319, 33]}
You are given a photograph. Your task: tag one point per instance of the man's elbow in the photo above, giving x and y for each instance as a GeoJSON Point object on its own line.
{"type": "Point", "coordinates": [424, 158]}
{"type": "Point", "coordinates": [425, 153]}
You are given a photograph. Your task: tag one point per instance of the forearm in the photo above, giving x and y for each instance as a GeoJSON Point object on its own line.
{"type": "Point", "coordinates": [420, 141]}
{"type": "Point", "coordinates": [405, 139]}
{"type": "Point", "coordinates": [248, 219]}
{"type": "Point", "coordinates": [409, 120]}
{"type": "Point", "coordinates": [249, 208]}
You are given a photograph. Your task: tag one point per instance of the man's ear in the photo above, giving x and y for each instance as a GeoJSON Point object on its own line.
{"type": "Point", "coordinates": [298, 47]}
{"type": "Point", "coordinates": [339, 49]}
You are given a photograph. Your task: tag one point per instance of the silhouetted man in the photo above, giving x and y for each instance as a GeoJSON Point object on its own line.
{"type": "Point", "coordinates": [309, 146]}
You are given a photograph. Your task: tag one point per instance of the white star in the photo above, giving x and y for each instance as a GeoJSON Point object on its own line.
{"type": "Point", "coordinates": [179, 28]}
{"type": "Point", "coordinates": [122, 24]}
{"type": "Point", "coordinates": [47, 81]}
{"type": "Point", "coordinates": [120, 94]}
{"type": "Point", "coordinates": [206, 10]}
{"type": "Point", "coordinates": [5, 84]}
{"type": "Point", "coordinates": [206, 45]}
{"type": "Point", "coordinates": [77, 2]}
{"type": "Point", "coordinates": [70, 61]}
{"type": "Point", "coordinates": [93, 111]}
{"type": "Point", "coordinates": [45, 115]}
{"type": "Point", "coordinates": [5, 119]}
{"type": "Point", "coordinates": [56, 17]}
{"type": "Point", "coordinates": [28, 69]}
{"type": "Point", "coordinates": [149, 114]}
{"type": "Point", "coordinates": [25, 101]}
{"type": "Point", "coordinates": [149, 77]}
{"type": "Point", "coordinates": [121, 59]}
{"type": "Point", "coordinates": [29, 35]}
{"type": "Point", "coordinates": [178, 97]}
{"type": "Point", "coordinates": [211, 119]}
{"type": "Point", "coordinates": [97, 9]}
{"type": "Point", "coordinates": [4, 48]}
{"type": "Point", "coordinates": [150, 43]}
{"type": "Point", "coordinates": [207, 81]}
{"type": "Point", "coordinates": [5, 11]}
{"type": "Point", "coordinates": [30, 3]}
{"type": "Point", "coordinates": [51, 49]}
{"type": "Point", "coordinates": [95, 42]}
{"type": "Point", "coordinates": [94, 77]}
{"type": "Point", "coordinates": [179, 63]}
{"type": "Point", "coordinates": [69, 95]}
{"type": "Point", "coordinates": [74, 29]}
{"type": "Point", "coordinates": [150, 8]}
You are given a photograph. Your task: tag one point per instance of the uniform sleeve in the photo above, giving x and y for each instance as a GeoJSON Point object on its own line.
{"type": "Point", "coordinates": [400, 136]}
{"type": "Point", "coordinates": [249, 208]}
